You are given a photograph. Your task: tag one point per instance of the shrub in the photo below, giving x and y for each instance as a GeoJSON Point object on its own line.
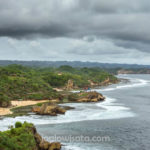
{"type": "Point", "coordinates": [3, 97]}
{"type": "Point", "coordinates": [12, 131]}
{"type": "Point", "coordinates": [73, 97]}
{"type": "Point", "coordinates": [18, 124]}
{"type": "Point", "coordinates": [18, 138]}
{"type": "Point", "coordinates": [39, 104]}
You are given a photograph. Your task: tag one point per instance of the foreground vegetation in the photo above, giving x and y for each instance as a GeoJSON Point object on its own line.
{"type": "Point", "coordinates": [19, 137]}
{"type": "Point", "coordinates": [25, 83]}
{"type": "Point", "coordinates": [24, 137]}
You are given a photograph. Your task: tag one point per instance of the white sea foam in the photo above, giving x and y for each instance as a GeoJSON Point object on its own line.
{"type": "Point", "coordinates": [134, 83]}
{"type": "Point", "coordinates": [83, 146]}
{"type": "Point", "coordinates": [83, 111]}
{"type": "Point", "coordinates": [71, 147]}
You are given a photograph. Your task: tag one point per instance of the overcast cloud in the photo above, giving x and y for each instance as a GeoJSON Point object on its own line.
{"type": "Point", "coordinates": [86, 30]}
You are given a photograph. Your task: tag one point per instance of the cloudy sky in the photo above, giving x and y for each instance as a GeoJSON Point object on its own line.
{"type": "Point", "coordinates": [116, 31]}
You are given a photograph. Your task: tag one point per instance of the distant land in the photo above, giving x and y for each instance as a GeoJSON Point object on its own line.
{"type": "Point", "coordinates": [112, 68]}
{"type": "Point", "coordinates": [73, 64]}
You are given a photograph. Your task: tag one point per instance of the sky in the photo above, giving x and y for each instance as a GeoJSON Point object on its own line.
{"type": "Point", "coordinates": [114, 31]}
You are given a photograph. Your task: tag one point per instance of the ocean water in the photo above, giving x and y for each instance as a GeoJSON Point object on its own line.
{"type": "Point", "coordinates": [124, 117]}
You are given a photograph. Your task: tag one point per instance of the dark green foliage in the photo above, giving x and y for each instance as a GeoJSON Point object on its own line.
{"type": "Point", "coordinates": [18, 124]}
{"type": "Point", "coordinates": [3, 97]}
{"type": "Point", "coordinates": [73, 97]}
{"type": "Point", "coordinates": [56, 80]}
{"type": "Point", "coordinates": [39, 104]}
{"type": "Point", "coordinates": [4, 100]}
{"type": "Point", "coordinates": [20, 138]}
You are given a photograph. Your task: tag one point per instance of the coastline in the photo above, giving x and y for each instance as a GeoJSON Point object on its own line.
{"type": "Point", "coordinates": [20, 108]}
{"type": "Point", "coordinates": [16, 104]}
{"type": "Point", "coordinates": [125, 113]}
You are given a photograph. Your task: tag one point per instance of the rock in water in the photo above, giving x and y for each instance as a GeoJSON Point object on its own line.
{"type": "Point", "coordinates": [44, 145]}
{"type": "Point", "coordinates": [49, 109]}
{"type": "Point", "coordinates": [55, 146]}
{"type": "Point", "coordinates": [90, 97]}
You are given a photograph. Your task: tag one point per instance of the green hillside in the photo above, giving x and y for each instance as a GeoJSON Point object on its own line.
{"type": "Point", "coordinates": [21, 83]}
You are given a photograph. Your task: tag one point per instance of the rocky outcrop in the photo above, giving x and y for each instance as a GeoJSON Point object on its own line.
{"type": "Point", "coordinates": [55, 146]}
{"type": "Point", "coordinates": [134, 71]}
{"type": "Point", "coordinates": [91, 97]}
{"type": "Point", "coordinates": [44, 145]}
{"type": "Point", "coordinates": [92, 83]}
{"type": "Point", "coordinates": [50, 109]}
{"type": "Point", "coordinates": [122, 71]}
{"type": "Point", "coordinates": [86, 97]}
{"type": "Point", "coordinates": [106, 82]}
{"type": "Point", "coordinates": [70, 85]}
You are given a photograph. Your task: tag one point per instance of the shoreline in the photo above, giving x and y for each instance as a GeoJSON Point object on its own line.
{"type": "Point", "coordinates": [15, 104]}
{"type": "Point", "coordinates": [20, 108]}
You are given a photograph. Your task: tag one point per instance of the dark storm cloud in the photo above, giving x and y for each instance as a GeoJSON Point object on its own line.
{"type": "Point", "coordinates": [124, 22]}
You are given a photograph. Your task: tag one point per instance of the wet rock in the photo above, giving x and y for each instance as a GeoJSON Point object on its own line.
{"type": "Point", "coordinates": [55, 146]}
{"type": "Point", "coordinates": [49, 109]}
{"type": "Point", "coordinates": [38, 138]}
{"type": "Point", "coordinates": [41, 144]}
{"type": "Point", "coordinates": [44, 145]}
{"type": "Point", "coordinates": [90, 97]}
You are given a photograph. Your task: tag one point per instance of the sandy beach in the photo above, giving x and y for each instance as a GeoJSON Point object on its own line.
{"type": "Point", "coordinates": [6, 111]}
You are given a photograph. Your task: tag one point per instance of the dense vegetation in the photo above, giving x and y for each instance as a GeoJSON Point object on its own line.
{"type": "Point", "coordinates": [20, 83]}
{"type": "Point", "coordinates": [80, 76]}
{"type": "Point", "coordinates": [19, 137]}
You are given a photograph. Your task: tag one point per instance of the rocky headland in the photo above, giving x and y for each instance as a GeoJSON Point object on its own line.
{"type": "Point", "coordinates": [86, 97]}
